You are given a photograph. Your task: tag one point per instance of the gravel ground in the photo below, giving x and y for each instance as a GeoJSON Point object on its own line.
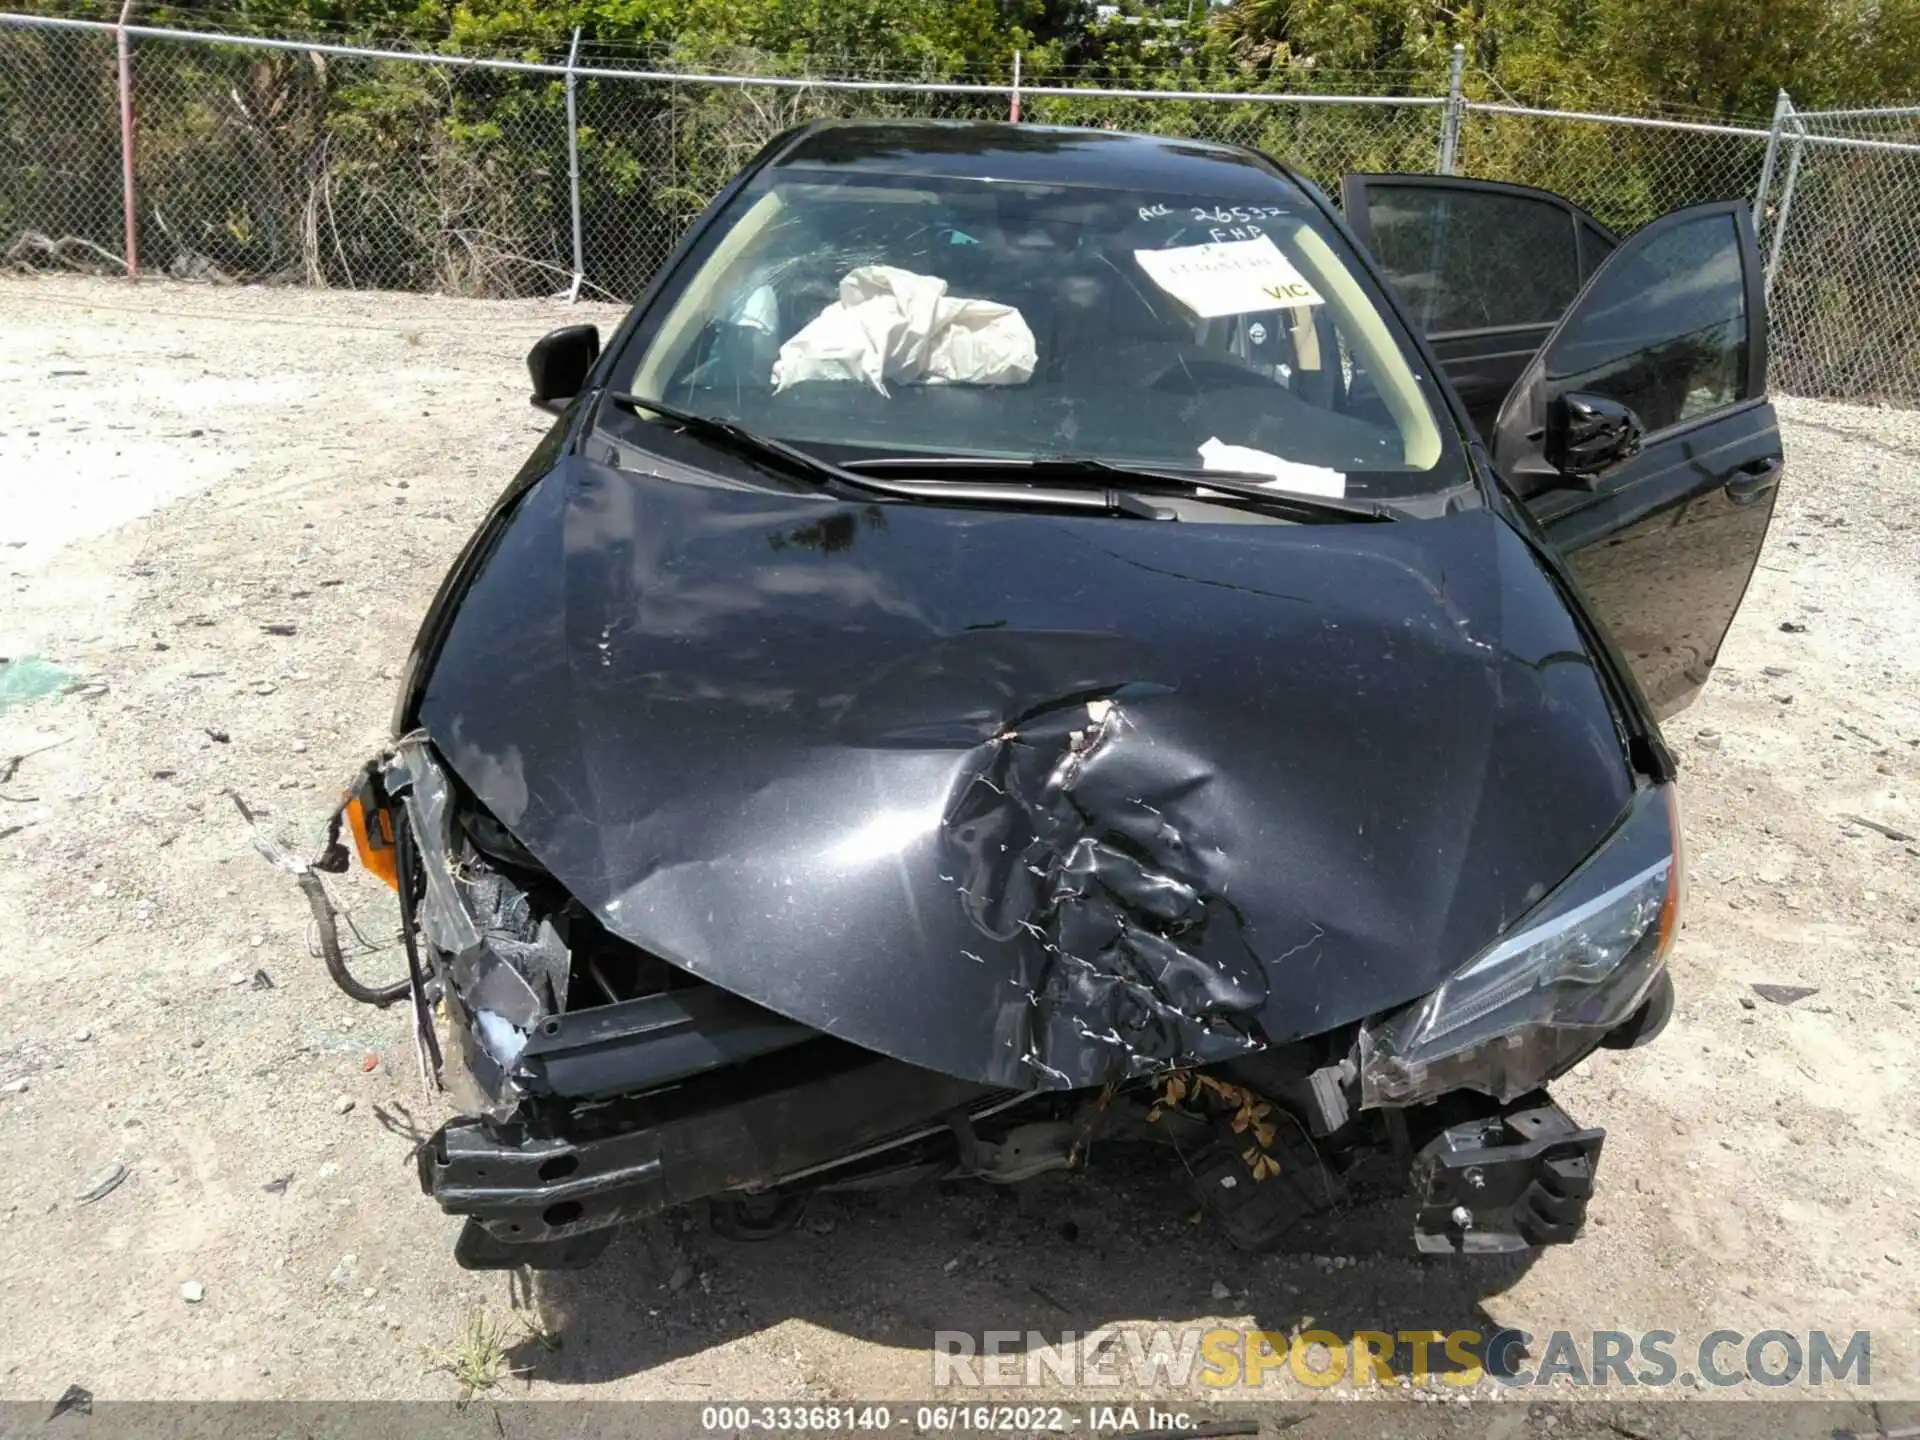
{"type": "Point", "coordinates": [183, 468]}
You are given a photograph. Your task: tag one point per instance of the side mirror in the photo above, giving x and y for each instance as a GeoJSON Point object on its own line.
{"type": "Point", "coordinates": [559, 362]}
{"type": "Point", "coordinates": [1590, 433]}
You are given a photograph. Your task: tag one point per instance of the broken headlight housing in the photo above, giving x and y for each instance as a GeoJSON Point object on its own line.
{"type": "Point", "coordinates": [1544, 994]}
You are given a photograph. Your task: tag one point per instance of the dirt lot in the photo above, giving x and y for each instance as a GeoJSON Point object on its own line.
{"type": "Point", "coordinates": [182, 467]}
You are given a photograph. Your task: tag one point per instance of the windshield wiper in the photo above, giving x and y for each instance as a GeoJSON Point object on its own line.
{"type": "Point", "coordinates": [767, 450]}
{"type": "Point", "coordinates": [1241, 485]}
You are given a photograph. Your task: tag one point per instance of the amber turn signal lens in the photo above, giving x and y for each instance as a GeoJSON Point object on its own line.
{"type": "Point", "coordinates": [1670, 908]}
{"type": "Point", "coordinates": [373, 839]}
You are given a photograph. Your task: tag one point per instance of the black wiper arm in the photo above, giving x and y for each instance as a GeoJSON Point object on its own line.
{"type": "Point", "coordinates": [764, 448]}
{"type": "Point", "coordinates": [769, 450]}
{"type": "Point", "coordinates": [1245, 485]}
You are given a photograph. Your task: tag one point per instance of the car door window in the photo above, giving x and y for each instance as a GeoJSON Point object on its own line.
{"type": "Point", "coordinates": [1664, 331]}
{"type": "Point", "coordinates": [1474, 259]}
{"type": "Point", "coordinates": [1595, 245]}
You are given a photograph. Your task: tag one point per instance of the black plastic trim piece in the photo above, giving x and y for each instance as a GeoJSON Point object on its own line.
{"type": "Point", "coordinates": [1643, 1027]}
{"type": "Point", "coordinates": [477, 1249]}
{"type": "Point", "coordinates": [639, 1045]}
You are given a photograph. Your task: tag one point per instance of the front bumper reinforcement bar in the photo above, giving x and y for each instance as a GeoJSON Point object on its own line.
{"type": "Point", "coordinates": [540, 1201]}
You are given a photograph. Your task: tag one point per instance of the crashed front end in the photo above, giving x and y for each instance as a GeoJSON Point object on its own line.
{"type": "Point", "coordinates": [750, 844]}
{"type": "Point", "coordinates": [597, 1084]}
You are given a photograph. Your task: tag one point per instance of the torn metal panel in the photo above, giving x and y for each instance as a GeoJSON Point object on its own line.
{"type": "Point", "coordinates": [502, 968]}
{"type": "Point", "coordinates": [416, 776]}
{"type": "Point", "coordinates": [1034, 800]}
{"type": "Point", "coordinates": [528, 979]}
{"type": "Point", "coordinates": [1079, 845]}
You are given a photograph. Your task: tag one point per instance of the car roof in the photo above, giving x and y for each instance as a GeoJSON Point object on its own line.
{"type": "Point", "coordinates": [1059, 154]}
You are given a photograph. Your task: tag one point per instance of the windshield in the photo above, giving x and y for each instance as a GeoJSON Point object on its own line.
{"type": "Point", "coordinates": [867, 314]}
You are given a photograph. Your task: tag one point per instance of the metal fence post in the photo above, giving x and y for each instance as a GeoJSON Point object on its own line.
{"type": "Point", "coordinates": [573, 170]}
{"type": "Point", "coordinates": [1013, 103]}
{"type": "Point", "coordinates": [1786, 197]}
{"type": "Point", "coordinates": [1781, 105]}
{"type": "Point", "coordinates": [1450, 116]}
{"type": "Point", "coordinates": [129, 209]}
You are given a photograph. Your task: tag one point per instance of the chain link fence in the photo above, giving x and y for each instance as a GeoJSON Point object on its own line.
{"type": "Point", "coordinates": [654, 150]}
{"type": "Point", "coordinates": [60, 183]}
{"type": "Point", "coordinates": [326, 165]}
{"type": "Point", "coordinates": [322, 164]}
{"type": "Point", "coordinates": [1843, 264]}
{"type": "Point", "coordinates": [1624, 170]}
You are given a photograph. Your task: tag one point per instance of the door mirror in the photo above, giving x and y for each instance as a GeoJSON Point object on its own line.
{"type": "Point", "coordinates": [559, 363]}
{"type": "Point", "coordinates": [1590, 433]}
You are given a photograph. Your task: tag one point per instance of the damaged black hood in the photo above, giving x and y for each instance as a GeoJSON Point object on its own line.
{"type": "Point", "coordinates": [1034, 800]}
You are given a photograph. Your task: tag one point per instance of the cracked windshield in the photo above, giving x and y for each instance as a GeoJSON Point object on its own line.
{"type": "Point", "coordinates": [1221, 328]}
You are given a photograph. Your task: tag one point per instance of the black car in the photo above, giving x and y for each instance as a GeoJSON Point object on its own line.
{"type": "Point", "coordinates": [1021, 639]}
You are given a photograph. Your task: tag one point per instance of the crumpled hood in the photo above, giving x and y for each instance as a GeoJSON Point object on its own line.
{"type": "Point", "coordinates": [1032, 799]}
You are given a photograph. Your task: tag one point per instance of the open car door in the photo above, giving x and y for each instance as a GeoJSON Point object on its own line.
{"type": "Point", "coordinates": [1641, 438]}
{"type": "Point", "coordinates": [1486, 269]}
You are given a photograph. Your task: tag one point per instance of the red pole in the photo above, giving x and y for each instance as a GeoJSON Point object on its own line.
{"type": "Point", "coordinates": [126, 146]}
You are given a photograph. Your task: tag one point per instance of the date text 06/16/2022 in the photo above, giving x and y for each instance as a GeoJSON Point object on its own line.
{"type": "Point", "coordinates": [937, 1419]}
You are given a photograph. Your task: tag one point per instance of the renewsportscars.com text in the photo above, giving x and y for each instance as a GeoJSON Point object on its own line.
{"type": "Point", "coordinates": [1222, 1357]}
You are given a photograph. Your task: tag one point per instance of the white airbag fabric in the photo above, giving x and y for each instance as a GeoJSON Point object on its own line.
{"type": "Point", "coordinates": [893, 325]}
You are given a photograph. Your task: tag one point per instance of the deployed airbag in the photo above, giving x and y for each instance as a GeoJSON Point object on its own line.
{"type": "Point", "coordinates": [893, 325]}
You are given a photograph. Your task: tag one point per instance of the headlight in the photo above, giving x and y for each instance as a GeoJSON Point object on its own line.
{"type": "Point", "coordinates": [1545, 993]}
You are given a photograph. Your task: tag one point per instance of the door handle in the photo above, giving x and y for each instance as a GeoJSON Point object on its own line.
{"type": "Point", "coordinates": [1754, 479]}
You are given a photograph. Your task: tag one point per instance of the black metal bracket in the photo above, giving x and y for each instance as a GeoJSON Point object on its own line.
{"type": "Point", "coordinates": [1507, 1182]}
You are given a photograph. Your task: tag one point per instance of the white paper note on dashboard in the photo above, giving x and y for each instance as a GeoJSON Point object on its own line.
{"type": "Point", "coordinates": [1236, 277]}
{"type": "Point", "coordinates": [1216, 454]}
